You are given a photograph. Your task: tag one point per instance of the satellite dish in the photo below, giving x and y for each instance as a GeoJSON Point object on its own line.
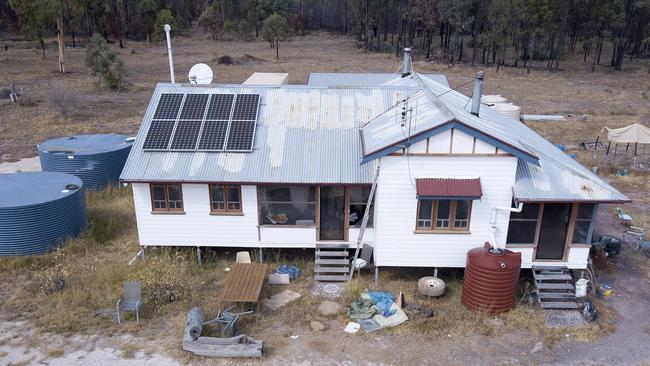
{"type": "Point", "coordinates": [200, 74]}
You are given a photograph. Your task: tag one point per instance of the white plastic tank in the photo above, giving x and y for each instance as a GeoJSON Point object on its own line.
{"type": "Point", "coordinates": [508, 109]}
{"type": "Point", "coordinates": [581, 287]}
{"type": "Point", "coordinates": [493, 99]}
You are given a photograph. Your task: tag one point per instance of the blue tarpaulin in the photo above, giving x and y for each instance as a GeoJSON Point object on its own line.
{"type": "Point", "coordinates": [383, 300]}
{"type": "Point", "coordinates": [292, 271]}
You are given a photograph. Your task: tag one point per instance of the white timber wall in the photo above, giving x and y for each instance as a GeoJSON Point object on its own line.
{"type": "Point", "coordinates": [196, 227]}
{"type": "Point", "coordinates": [454, 141]}
{"type": "Point", "coordinates": [397, 244]}
{"type": "Point", "coordinates": [577, 258]}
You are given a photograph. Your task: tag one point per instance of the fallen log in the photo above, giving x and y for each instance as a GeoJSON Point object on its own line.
{"type": "Point", "coordinates": [194, 323]}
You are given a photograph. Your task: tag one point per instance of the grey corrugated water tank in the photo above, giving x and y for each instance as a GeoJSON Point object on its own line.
{"type": "Point", "coordinates": [97, 159]}
{"type": "Point", "coordinates": [38, 211]}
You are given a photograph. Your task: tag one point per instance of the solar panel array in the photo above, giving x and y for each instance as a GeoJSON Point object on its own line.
{"type": "Point", "coordinates": [203, 122]}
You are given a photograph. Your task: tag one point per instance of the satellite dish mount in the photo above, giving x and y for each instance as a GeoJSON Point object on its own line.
{"type": "Point", "coordinates": [200, 74]}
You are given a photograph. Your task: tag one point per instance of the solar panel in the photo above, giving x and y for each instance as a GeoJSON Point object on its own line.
{"type": "Point", "coordinates": [168, 106]}
{"type": "Point", "coordinates": [213, 135]}
{"type": "Point", "coordinates": [185, 135]}
{"type": "Point", "coordinates": [194, 106]}
{"type": "Point", "coordinates": [220, 106]}
{"type": "Point", "coordinates": [158, 135]}
{"type": "Point", "coordinates": [240, 136]}
{"type": "Point", "coordinates": [246, 107]}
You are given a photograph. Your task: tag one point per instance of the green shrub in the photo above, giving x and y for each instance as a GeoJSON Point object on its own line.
{"type": "Point", "coordinates": [104, 62]}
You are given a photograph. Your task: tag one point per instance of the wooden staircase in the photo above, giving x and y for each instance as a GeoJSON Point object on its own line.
{"type": "Point", "coordinates": [332, 262]}
{"type": "Point", "coordinates": [554, 288]}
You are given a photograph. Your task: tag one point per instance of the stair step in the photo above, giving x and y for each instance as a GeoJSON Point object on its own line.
{"type": "Point", "coordinates": [320, 269]}
{"type": "Point", "coordinates": [556, 295]}
{"type": "Point", "coordinates": [332, 246]}
{"type": "Point", "coordinates": [335, 278]}
{"type": "Point", "coordinates": [332, 261]}
{"type": "Point", "coordinates": [553, 277]}
{"type": "Point", "coordinates": [554, 286]}
{"type": "Point", "coordinates": [320, 253]}
{"type": "Point", "coordinates": [558, 305]}
{"type": "Point", "coordinates": [553, 268]}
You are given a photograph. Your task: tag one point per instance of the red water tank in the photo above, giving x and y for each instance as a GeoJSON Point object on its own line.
{"type": "Point", "coordinates": [491, 279]}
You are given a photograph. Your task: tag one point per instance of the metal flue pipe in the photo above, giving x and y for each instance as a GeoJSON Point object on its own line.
{"type": "Point", "coordinates": [478, 91]}
{"type": "Point", "coordinates": [407, 65]}
{"type": "Point", "coordinates": [167, 29]}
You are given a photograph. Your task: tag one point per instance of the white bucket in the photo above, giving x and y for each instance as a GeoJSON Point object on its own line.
{"type": "Point", "coordinates": [581, 287]}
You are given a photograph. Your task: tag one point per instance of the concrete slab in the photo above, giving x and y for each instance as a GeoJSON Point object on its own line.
{"type": "Point", "coordinates": [279, 300]}
{"type": "Point", "coordinates": [564, 319]}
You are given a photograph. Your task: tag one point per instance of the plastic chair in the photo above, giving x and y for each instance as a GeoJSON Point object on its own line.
{"type": "Point", "coordinates": [131, 301]}
{"type": "Point", "coordinates": [622, 217]}
{"type": "Point", "coordinates": [364, 258]}
{"type": "Point", "coordinates": [243, 257]}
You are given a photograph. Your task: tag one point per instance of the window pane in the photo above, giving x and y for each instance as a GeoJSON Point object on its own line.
{"type": "Point", "coordinates": [359, 194]}
{"type": "Point", "coordinates": [585, 211]}
{"type": "Point", "coordinates": [175, 196]}
{"type": "Point", "coordinates": [287, 205]}
{"type": "Point", "coordinates": [424, 215]}
{"type": "Point", "coordinates": [158, 197]}
{"type": "Point", "coordinates": [462, 214]}
{"type": "Point", "coordinates": [521, 232]}
{"type": "Point", "coordinates": [580, 232]}
{"type": "Point", "coordinates": [234, 203]}
{"type": "Point", "coordinates": [174, 192]}
{"type": "Point", "coordinates": [444, 210]}
{"type": "Point", "coordinates": [158, 192]}
{"type": "Point", "coordinates": [218, 202]}
{"type": "Point", "coordinates": [289, 194]}
{"type": "Point", "coordinates": [529, 211]}
{"type": "Point", "coordinates": [288, 214]}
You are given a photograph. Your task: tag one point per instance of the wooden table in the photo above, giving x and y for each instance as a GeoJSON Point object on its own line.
{"type": "Point", "coordinates": [244, 283]}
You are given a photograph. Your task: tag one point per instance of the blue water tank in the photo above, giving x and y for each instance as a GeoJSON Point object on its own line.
{"type": "Point", "coordinates": [38, 211]}
{"type": "Point", "coordinates": [97, 159]}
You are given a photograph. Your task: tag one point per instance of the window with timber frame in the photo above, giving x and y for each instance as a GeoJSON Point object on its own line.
{"type": "Point", "coordinates": [583, 218]}
{"type": "Point", "coordinates": [166, 197]}
{"type": "Point", "coordinates": [443, 215]}
{"type": "Point", "coordinates": [523, 225]}
{"type": "Point", "coordinates": [225, 199]}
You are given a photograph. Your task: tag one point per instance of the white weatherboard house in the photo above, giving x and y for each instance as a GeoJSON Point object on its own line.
{"type": "Point", "coordinates": [291, 166]}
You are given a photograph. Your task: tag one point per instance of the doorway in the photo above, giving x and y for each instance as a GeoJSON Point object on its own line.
{"type": "Point", "coordinates": [332, 213]}
{"type": "Point", "coordinates": [553, 231]}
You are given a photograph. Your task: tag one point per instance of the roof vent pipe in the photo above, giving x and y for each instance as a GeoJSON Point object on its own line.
{"type": "Point", "coordinates": [167, 29]}
{"type": "Point", "coordinates": [478, 91]}
{"type": "Point", "coordinates": [406, 66]}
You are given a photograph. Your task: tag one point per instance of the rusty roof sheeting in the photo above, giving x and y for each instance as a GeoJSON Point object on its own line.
{"type": "Point", "coordinates": [449, 188]}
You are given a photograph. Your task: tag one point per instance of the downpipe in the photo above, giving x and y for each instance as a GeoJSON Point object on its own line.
{"type": "Point", "coordinates": [493, 223]}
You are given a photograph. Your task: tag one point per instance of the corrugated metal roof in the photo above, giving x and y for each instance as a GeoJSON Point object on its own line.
{"type": "Point", "coordinates": [311, 135]}
{"type": "Point", "coordinates": [558, 177]}
{"type": "Point", "coordinates": [352, 80]}
{"type": "Point", "coordinates": [423, 114]}
{"type": "Point", "coordinates": [304, 135]}
{"type": "Point", "coordinates": [449, 187]}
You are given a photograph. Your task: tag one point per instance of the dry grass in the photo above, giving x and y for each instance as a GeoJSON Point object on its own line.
{"type": "Point", "coordinates": [54, 352]}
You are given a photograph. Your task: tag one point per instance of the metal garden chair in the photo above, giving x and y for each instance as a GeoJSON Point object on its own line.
{"type": "Point", "coordinates": [131, 301]}
{"type": "Point", "coordinates": [635, 237]}
{"type": "Point", "coordinates": [622, 217]}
